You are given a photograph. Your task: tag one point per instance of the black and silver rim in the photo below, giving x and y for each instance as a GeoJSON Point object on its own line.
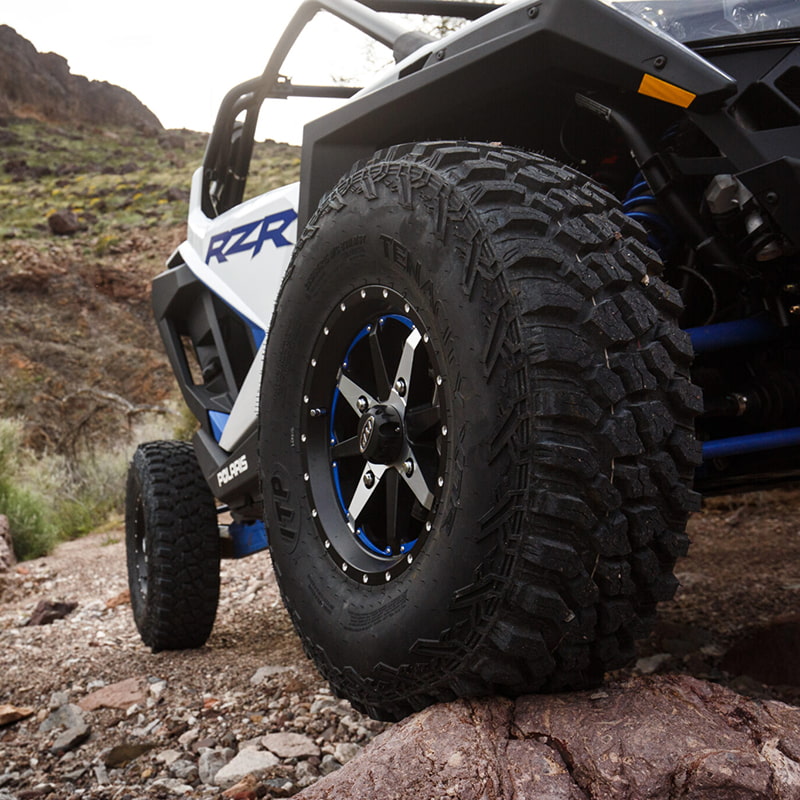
{"type": "Point", "coordinates": [374, 434]}
{"type": "Point", "coordinates": [141, 561]}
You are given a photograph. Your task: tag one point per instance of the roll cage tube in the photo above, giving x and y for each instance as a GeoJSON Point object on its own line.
{"type": "Point", "coordinates": [230, 146]}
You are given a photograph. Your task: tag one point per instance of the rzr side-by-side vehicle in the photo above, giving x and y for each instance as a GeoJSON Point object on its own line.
{"type": "Point", "coordinates": [538, 279]}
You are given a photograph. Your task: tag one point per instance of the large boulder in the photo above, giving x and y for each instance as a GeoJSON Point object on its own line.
{"type": "Point", "coordinates": [655, 737]}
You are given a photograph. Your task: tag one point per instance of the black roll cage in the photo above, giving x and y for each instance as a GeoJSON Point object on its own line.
{"type": "Point", "coordinates": [230, 146]}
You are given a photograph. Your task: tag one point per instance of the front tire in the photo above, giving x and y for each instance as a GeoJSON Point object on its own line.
{"type": "Point", "coordinates": [509, 517]}
{"type": "Point", "coordinates": [172, 545]}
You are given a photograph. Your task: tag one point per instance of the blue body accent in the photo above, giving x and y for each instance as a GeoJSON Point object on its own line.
{"type": "Point", "coordinates": [248, 538]}
{"type": "Point", "coordinates": [752, 443]}
{"type": "Point", "coordinates": [725, 335]}
{"type": "Point", "coordinates": [218, 420]}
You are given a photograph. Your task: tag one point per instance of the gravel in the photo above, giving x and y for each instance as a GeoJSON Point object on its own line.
{"type": "Point", "coordinates": [112, 720]}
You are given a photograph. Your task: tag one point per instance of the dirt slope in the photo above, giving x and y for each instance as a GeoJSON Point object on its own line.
{"type": "Point", "coordinates": [75, 318]}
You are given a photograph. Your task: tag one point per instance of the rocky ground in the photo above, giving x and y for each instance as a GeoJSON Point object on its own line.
{"type": "Point", "coordinates": [165, 724]}
{"type": "Point", "coordinates": [105, 718]}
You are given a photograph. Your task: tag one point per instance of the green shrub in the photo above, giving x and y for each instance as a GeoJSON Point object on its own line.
{"type": "Point", "coordinates": [30, 519]}
{"type": "Point", "coordinates": [186, 425]}
{"type": "Point", "coordinates": [49, 498]}
{"type": "Point", "coordinates": [93, 492]}
{"type": "Point", "coordinates": [33, 532]}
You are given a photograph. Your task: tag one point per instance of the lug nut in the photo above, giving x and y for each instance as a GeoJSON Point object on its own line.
{"type": "Point", "coordinates": [400, 387]}
{"type": "Point", "coordinates": [408, 468]}
{"type": "Point", "coordinates": [362, 404]}
{"type": "Point", "coordinates": [369, 479]}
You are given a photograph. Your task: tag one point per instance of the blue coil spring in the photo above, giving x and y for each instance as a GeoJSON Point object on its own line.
{"type": "Point", "coordinates": [640, 204]}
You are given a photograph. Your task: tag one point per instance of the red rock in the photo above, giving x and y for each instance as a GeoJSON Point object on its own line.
{"type": "Point", "coordinates": [48, 611]}
{"type": "Point", "coordinates": [116, 695]}
{"type": "Point", "coordinates": [121, 599]}
{"type": "Point", "coordinates": [652, 737]}
{"type": "Point", "coordinates": [246, 789]}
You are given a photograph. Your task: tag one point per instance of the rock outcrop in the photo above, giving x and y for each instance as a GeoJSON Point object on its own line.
{"type": "Point", "coordinates": [662, 737]}
{"type": "Point", "coordinates": [40, 85]}
{"type": "Point", "coordinates": [7, 557]}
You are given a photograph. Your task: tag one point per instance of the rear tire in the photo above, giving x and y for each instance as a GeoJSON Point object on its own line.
{"type": "Point", "coordinates": [173, 548]}
{"type": "Point", "coordinates": [551, 425]}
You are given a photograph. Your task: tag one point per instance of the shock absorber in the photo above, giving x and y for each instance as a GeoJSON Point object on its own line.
{"type": "Point", "coordinates": [661, 185]}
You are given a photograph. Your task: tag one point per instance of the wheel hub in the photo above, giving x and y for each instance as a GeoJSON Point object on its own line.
{"type": "Point", "coordinates": [374, 433]}
{"type": "Point", "coordinates": [380, 435]}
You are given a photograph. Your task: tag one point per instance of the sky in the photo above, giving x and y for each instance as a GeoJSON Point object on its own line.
{"type": "Point", "coordinates": [180, 58]}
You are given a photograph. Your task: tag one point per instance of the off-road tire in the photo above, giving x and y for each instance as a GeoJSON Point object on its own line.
{"type": "Point", "coordinates": [563, 447]}
{"type": "Point", "coordinates": [172, 544]}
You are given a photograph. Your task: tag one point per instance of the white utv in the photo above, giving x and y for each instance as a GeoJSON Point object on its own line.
{"type": "Point", "coordinates": [537, 280]}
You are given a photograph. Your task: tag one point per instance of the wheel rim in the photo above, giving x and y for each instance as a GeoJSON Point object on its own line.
{"type": "Point", "coordinates": [141, 558]}
{"type": "Point", "coordinates": [374, 434]}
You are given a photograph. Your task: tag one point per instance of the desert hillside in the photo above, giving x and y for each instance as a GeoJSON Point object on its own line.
{"type": "Point", "coordinates": [88, 215]}
{"type": "Point", "coordinates": [93, 200]}
{"type": "Point", "coordinates": [41, 86]}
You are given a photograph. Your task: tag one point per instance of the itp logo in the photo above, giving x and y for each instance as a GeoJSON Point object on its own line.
{"type": "Point", "coordinates": [251, 236]}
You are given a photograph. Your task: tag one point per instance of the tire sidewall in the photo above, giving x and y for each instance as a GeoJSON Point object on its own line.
{"type": "Point", "coordinates": [375, 241]}
{"type": "Point", "coordinates": [139, 525]}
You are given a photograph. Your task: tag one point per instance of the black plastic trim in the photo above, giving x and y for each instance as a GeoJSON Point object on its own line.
{"type": "Point", "coordinates": [527, 54]}
{"type": "Point", "coordinates": [444, 8]}
{"type": "Point", "coordinates": [184, 308]}
{"type": "Point", "coordinates": [229, 480]}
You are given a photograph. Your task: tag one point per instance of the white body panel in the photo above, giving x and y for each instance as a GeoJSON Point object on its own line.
{"type": "Point", "coordinates": [242, 256]}
{"type": "Point", "coordinates": [245, 409]}
{"type": "Point", "coordinates": [248, 279]}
